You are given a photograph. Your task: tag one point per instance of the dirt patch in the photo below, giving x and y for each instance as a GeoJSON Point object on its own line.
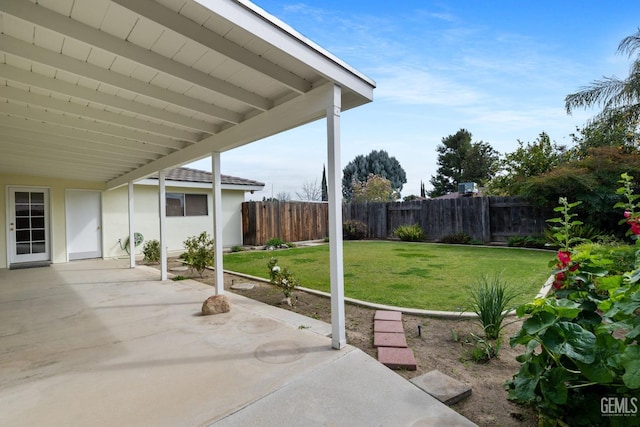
{"type": "Point", "coordinates": [438, 344]}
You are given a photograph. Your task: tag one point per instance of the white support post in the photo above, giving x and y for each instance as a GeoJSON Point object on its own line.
{"type": "Point", "coordinates": [132, 246]}
{"type": "Point", "coordinates": [162, 207]}
{"type": "Point", "coordinates": [334, 106]}
{"type": "Point", "coordinates": [217, 221]}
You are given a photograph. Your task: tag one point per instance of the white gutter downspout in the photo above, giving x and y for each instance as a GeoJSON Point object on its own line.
{"type": "Point", "coordinates": [334, 106]}
{"type": "Point", "coordinates": [217, 221]}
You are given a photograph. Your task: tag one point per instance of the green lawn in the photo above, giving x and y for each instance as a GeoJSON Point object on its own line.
{"type": "Point", "coordinates": [417, 275]}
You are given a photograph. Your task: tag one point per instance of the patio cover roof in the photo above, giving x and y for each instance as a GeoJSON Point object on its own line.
{"type": "Point", "coordinates": [114, 90]}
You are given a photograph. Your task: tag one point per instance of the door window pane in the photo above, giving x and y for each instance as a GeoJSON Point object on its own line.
{"type": "Point", "coordinates": [23, 236]}
{"type": "Point", "coordinates": [22, 223]}
{"type": "Point", "coordinates": [37, 198]}
{"type": "Point", "coordinates": [23, 248]}
{"type": "Point", "coordinates": [22, 197]}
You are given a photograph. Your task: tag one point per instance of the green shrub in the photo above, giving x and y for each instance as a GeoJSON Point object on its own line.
{"type": "Point", "coordinates": [151, 251]}
{"type": "Point", "coordinates": [461, 238]}
{"type": "Point", "coordinates": [282, 278]}
{"type": "Point", "coordinates": [491, 300]}
{"type": "Point", "coordinates": [482, 350]}
{"type": "Point", "coordinates": [199, 252]}
{"type": "Point", "coordinates": [276, 243]}
{"type": "Point", "coordinates": [409, 233]}
{"type": "Point", "coordinates": [237, 248]}
{"type": "Point", "coordinates": [539, 242]}
{"type": "Point", "coordinates": [581, 343]}
{"type": "Point", "coordinates": [616, 258]}
{"type": "Point", "coordinates": [354, 230]}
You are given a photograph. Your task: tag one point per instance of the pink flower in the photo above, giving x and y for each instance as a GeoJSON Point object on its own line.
{"type": "Point", "coordinates": [635, 228]}
{"type": "Point", "coordinates": [564, 257]}
{"type": "Point", "coordinates": [574, 267]}
{"type": "Point", "coordinates": [627, 214]}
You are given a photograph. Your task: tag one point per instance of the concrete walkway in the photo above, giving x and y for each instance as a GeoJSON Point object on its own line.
{"type": "Point", "coordinates": [95, 343]}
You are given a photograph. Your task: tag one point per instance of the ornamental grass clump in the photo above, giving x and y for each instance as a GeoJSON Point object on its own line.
{"type": "Point", "coordinates": [409, 233]}
{"type": "Point", "coordinates": [491, 300]}
{"type": "Point", "coordinates": [283, 279]}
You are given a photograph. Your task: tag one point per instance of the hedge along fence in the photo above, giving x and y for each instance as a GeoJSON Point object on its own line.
{"type": "Point", "coordinates": [486, 219]}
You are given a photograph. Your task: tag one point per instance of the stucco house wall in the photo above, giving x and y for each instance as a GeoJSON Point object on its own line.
{"type": "Point", "coordinates": [147, 222]}
{"type": "Point", "coordinates": [114, 214]}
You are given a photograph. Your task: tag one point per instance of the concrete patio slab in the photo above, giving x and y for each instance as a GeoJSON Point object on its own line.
{"type": "Point", "coordinates": [96, 343]}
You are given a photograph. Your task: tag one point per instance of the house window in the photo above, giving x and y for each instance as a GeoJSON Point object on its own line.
{"type": "Point", "coordinates": [181, 204]}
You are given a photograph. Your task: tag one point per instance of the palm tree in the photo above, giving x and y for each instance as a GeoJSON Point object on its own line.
{"type": "Point", "coordinates": [617, 97]}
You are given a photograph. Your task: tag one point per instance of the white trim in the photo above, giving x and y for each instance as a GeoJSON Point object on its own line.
{"type": "Point", "coordinates": [162, 207]}
{"type": "Point", "coordinates": [217, 222]}
{"type": "Point", "coordinates": [207, 185]}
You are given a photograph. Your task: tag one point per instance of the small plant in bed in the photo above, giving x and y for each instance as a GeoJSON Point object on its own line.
{"type": "Point", "coordinates": [491, 300]}
{"type": "Point", "coordinates": [282, 278]}
{"type": "Point", "coordinates": [409, 233]}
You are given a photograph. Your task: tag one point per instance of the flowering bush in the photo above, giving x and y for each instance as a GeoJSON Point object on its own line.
{"type": "Point", "coordinates": [282, 278]}
{"type": "Point", "coordinates": [581, 342]}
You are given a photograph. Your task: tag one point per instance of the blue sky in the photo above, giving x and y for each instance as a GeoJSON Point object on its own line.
{"type": "Point", "coordinates": [500, 69]}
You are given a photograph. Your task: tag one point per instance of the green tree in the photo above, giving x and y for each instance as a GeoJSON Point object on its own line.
{"type": "Point", "coordinates": [375, 189]}
{"type": "Point", "coordinates": [376, 163]}
{"type": "Point", "coordinates": [615, 96]}
{"type": "Point", "coordinates": [593, 180]}
{"type": "Point", "coordinates": [460, 160]}
{"type": "Point", "coordinates": [532, 159]}
{"type": "Point", "coordinates": [325, 192]}
{"type": "Point", "coordinates": [618, 130]}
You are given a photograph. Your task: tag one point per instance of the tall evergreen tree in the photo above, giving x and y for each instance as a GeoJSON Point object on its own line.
{"type": "Point", "coordinates": [376, 163]}
{"type": "Point", "coordinates": [460, 160]}
{"type": "Point", "coordinates": [325, 192]}
{"type": "Point", "coordinates": [423, 192]}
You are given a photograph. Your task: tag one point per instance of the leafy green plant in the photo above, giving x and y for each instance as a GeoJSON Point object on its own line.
{"type": "Point", "coordinates": [199, 252]}
{"type": "Point", "coordinates": [275, 242]}
{"type": "Point", "coordinates": [482, 350]}
{"type": "Point", "coordinates": [354, 230]}
{"type": "Point", "coordinates": [527, 242]}
{"type": "Point", "coordinates": [179, 278]}
{"type": "Point", "coordinates": [409, 233]}
{"type": "Point", "coordinates": [237, 248]}
{"type": "Point", "coordinates": [461, 238]}
{"type": "Point", "coordinates": [581, 344]}
{"type": "Point", "coordinates": [282, 278]}
{"type": "Point", "coordinates": [491, 300]}
{"type": "Point", "coordinates": [151, 251]}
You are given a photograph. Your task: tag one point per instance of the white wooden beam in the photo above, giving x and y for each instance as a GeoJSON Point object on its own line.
{"type": "Point", "coordinates": [85, 111]}
{"type": "Point", "coordinates": [43, 56]}
{"type": "Point", "coordinates": [89, 125]}
{"type": "Point", "coordinates": [191, 30]}
{"type": "Point", "coordinates": [217, 221]}
{"type": "Point", "coordinates": [338, 334]}
{"type": "Point", "coordinates": [61, 24]}
{"type": "Point", "coordinates": [302, 109]}
{"type": "Point", "coordinates": [139, 148]}
{"type": "Point", "coordinates": [76, 145]}
{"type": "Point", "coordinates": [30, 78]}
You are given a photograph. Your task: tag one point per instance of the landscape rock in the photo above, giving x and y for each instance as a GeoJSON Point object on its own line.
{"type": "Point", "coordinates": [215, 305]}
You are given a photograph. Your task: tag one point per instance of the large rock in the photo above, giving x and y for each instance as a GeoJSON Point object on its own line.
{"type": "Point", "coordinates": [215, 305]}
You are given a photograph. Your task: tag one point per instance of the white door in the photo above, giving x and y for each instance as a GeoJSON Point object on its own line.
{"type": "Point", "coordinates": [84, 224]}
{"type": "Point", "coordinates": [29, 235]}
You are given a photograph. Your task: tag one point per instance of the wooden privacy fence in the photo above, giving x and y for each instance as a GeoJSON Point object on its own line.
{"type": "Point", "coordinates": [289, 221]}
{"type": "Point", "coordinates": [487, 219]}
